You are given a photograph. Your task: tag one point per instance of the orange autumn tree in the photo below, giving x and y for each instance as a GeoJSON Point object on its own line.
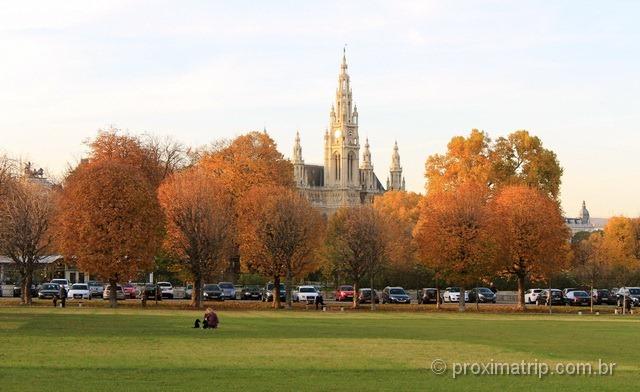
{"type": "Point", "coordinates": [402, 211]}
{"type": "Point", "coordinates": [248, 161]}
{"type": "Point", "coordinates": [109, 222]}
{"type": "Point", "coordinates": [621, 246]}
{"type": "Point", "coordinates": [531, 235]}
{"type": "Point", "coordinates": [279, 233]}
{"type": "Point", "coordinates": [519, 158]}
{"type": "Point", "coordinates": [468, 159]}
{"type": "Point", "coordinates": [453, 234]}
{"type": "Point", "coordinates": [200, 224]}
{"type": "Point", "coordinates": [155, 157]}
{"type": "Point", "coordinates": [357, 244]}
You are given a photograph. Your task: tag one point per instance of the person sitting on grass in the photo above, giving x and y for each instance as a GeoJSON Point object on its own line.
{"type": "Point", "coordinates": [210, 319]}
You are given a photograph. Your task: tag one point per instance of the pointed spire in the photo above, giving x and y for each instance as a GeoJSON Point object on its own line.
{"type": "Point", "coordinates": [366, 155]}
{"type": "Point", "coordinates": [344, 58]}
{"type": "Point", "coordinates": [297, 150]}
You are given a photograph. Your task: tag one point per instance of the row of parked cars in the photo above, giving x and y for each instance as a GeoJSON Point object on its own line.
{"type": "Point", "coordinates": [578, 297]}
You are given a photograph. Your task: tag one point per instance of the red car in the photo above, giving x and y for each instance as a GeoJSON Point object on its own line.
{"type": "Point", "coordinates": [344, 293]}
{"type": "Point", "coordinates": [130, 291]}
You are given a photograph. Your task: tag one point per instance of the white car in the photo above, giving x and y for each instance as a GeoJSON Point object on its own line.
{"type": "Point", "coordinates": [305, 294]}
{"type": "Point", "coordinates": [79, 291]}
{"type": "Point", "coordinates": [452, 294]}
{"type": "Point", "coordinates": [167, 289]}
{"type": "Point", "coordinates": [61, 282]}
{"type": "Point", "coordinates": [531, 295]}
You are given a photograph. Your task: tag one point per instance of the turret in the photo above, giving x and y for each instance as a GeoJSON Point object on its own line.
{"type": "Point", "coordinates": [366, 168]}
{"type": "Point", "coordinates": [298, 162]}
{"type": "Point", "coordinates": [395, 182]}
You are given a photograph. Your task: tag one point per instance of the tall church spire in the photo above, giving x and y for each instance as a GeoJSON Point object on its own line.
{"type": "Point", "coordinates": [299, 173]}
{"type": "Point", "coordinates": [396, 181]}
{"type": "Point", "coordinates": [342, 149]}
{"type": "Point", "coordinates": [297, 150]}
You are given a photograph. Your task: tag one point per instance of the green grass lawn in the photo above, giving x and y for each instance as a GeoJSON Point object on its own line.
{"type": "Point", "coordinates": [135, 350]}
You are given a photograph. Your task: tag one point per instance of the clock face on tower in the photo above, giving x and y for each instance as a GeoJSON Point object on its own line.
{"type": "Point", "coordinates": [338, 134]}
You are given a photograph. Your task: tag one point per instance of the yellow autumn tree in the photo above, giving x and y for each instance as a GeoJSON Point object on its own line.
{"type": "Point", "coordinates": [109, 221]}
{"type": "Point", "coordinates": [453, 234]}
{"type": "Point", "coordinates": [531, 236]}
{"type": "Point", "coordinates": [279, 233]}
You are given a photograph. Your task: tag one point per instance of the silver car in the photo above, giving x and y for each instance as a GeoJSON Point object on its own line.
{"type": "Point", "coordinates": [228, 290]}
{"type": "Point", "coordinates": [119, 292]}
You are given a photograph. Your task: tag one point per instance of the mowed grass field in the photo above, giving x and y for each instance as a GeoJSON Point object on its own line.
{"type": "Point", "coordinates": [139, 350]}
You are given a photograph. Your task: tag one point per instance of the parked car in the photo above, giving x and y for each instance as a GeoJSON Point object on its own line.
{"type": "Point", "coordinates": [428, 295]}
{"type": "Point", "coordinates": [577, 298]}
{"type": "Point", "coordinates": [152, 292]}
{"type": "Point", "coordinates": [344, 293]}
{"type": "Point", "coordinates": [452, 294]}
{"type": "Point", "coordinates": [482, 294]}
{"type": "Point", "coordinates": [267, 292]}
{"type": "Point", "coordinates": [96, 288]}
{"type": "Point", "coordinates": [228, 290]}
{"type": "Point", "coordinates": [631, 293]}
{"type": "Point", "coordinates": [364, 296]}
{"type": "Point", "coordinates": [106, 294]}
{"type": "Point", "coordinates": [531, 295]}
{"type": "Point", "coordinates": [305, 294]}
{"type": "Point", "coordinates": [251, 292]}
{"type": "Point", "coordinates": [17, 290]}
{"type": "Point", "coordinates": [395, 295]}
{"type": "Point", "coordinates": [212, 292]}
{"type": "Point", "coordinates": [188, 291]}
{"type": "Point", "coordinates": [167, 289]}
{"type": "Point", "coordinates": [570, 289]}
{"type": "Point", "coordinates": [62, 282]}
{"type": "Point", "coordinates": [556, 297]}
{"type": "Point", "coordinates": [79, 291]}
{"type": "Point", "coordinates": [130, 290]}
{"type": "Point", "coordinates": [49, 290]}
{"type": "Point", "coordinates": [603, 297]}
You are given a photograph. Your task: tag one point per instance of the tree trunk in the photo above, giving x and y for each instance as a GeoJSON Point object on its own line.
{"type": "Point", "coordinates": [373, 297]}
{"type": "Point", "coordinates": [438, 302]}
{"type": "Point", "coordinates": [276, 292]}
{"type": "Point", "coordinates": [520, 304]}
{"type": "Point", "coordinates": [113, 294]}
{"type": "Point", "coordinates": [550, 298]}
{"type": "Point", "coordinates": [23, 292]}
{"type": "Point", "coordinates": [477, 300]}
{"type": "Point", "coordinates": [591, 296]}
{"type": "Point", "coordinates": [288, 290]}
{"type": "Point", "coordinates": [461, 307]}
{"type": "Point", "coordinates": [196, 293]}
{"type": "Point", "coordinates": [355, 295]}
{"type": "Point", "coordinates": [28, 281]}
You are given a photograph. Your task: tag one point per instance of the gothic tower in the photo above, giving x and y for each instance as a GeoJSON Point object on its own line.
{"type": "Point", "coordinates": [342, 148]}
{"type": "Point", "coordinates": [367, 178]}
{"type": "Point", "coordinates": [298, 163]}
{"type": "Point", "coordinates": [395, 182]}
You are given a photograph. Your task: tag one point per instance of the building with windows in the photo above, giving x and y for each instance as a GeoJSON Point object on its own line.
{"type": "Point", "coordinates": [345, 179]}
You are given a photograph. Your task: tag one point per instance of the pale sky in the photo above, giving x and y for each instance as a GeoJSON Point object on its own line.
{"type": "Point", "coordinates": [421, 72]}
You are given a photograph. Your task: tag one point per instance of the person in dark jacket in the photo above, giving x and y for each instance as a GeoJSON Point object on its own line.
{"type": "Point", "coordinates": [210, 319]}
{"type": "Point", "coordinates": [319, 301]}
{"type": "Point", "coordinates": [63, 296]}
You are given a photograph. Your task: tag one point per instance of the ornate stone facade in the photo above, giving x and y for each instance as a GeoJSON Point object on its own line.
{"type": "Point", "coordinates": [582, 223]}
{"type": "Point", "coordinates": [343, 180]}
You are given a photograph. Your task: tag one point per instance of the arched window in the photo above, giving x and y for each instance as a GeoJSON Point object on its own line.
{"type": "Point", "coordinates": [336, 165]}
{"type": "Point", "coordinates": [350, 163]}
